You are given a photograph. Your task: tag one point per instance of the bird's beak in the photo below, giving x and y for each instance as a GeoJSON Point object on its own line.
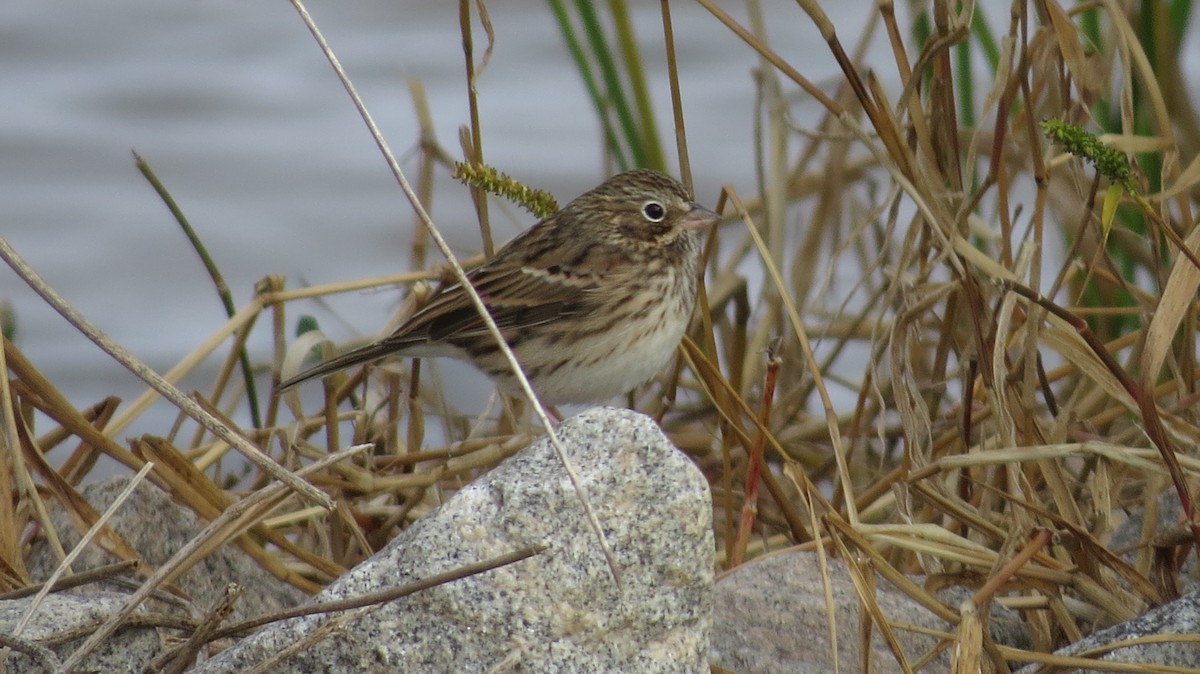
{"type": "Point", "coordinates": [699, 218]}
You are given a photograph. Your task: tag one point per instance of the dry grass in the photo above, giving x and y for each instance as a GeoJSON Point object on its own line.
{"type": "Point", "coordinates": [968, 406]}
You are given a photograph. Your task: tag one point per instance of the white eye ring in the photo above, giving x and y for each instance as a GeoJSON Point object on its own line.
{"type": "Point", "coordinates": [654, 211]}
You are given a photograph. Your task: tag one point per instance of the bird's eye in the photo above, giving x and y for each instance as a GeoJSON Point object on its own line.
{"type": "Point", "coordinates": [654, 211]}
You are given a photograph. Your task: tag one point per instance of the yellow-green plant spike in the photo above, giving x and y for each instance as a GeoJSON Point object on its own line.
{"type": "Point", "coordinates": [1111, 163]}
{"type": "Point", "coordinates": [538, 202]}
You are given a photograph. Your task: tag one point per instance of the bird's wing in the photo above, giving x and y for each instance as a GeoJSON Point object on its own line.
{"type": "Point", "coordinates": [516, 297]}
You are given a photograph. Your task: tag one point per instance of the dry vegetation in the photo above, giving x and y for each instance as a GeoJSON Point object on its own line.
{"type": "Point", "coordinates": [1011, 371]}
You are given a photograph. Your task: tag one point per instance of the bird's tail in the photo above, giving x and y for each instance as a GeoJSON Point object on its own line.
{"type": "Point", "coordinates": [359, 356]}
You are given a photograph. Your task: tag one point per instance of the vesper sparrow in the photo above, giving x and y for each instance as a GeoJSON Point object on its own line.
{"type": "Point", "coordinates": [593, 300]}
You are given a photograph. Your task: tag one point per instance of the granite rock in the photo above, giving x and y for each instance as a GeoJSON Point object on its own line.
{"type": "Point", "coordinates": [1179, 617]}
{"type": "Point", "coordinates": [129, 650]}
{"type": "Point", "coordinates": [770, 615]}
{"type": "Point", "coordinates": [557, 611]}
{"type": "Point", "coordinates": [154, 526]}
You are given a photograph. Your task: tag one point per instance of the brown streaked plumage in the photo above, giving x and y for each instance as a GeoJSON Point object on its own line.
{"type": "Point", "coordinates": [593, 300]}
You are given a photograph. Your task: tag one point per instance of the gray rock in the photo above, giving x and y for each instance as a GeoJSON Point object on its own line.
{"type": "Point", "coordinates": [771, 616]}
{"type": "Point", "coordinates": [129, 650]}
{"type": "Point", "coordinates": [1127, 537]}
{"type": "Point", "coordinates": [153, 525]}
{"type": "Point", "coordinates": [558, 611]}
{"type": "Point", "coordinates": [1181, 616]}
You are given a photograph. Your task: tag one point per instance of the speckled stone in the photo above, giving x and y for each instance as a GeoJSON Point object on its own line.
{"type": "Point", "coordinates": [771, 616]}
{"type": "Point", "coordinates": [1179, 617]}
{"type": "Point", "coordinates": [156, 527]}
{"type": "Point", "coordinates": [1129, 537]}
{"type": "Point", "coordinates": [559, 611]}
{"type": "Point", "coordinates": [129, 650]}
